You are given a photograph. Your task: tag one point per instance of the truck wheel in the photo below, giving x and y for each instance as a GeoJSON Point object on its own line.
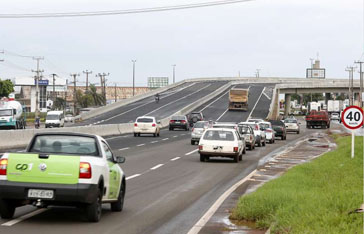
{"type": "Point", "coordinates": [282, 137]}
{"type": "Point", "coordinates": [93, 210]}
{"type": "Point", "coordinates": [7, 209]}
{"type": "Point", "coordinates": [118, 206]}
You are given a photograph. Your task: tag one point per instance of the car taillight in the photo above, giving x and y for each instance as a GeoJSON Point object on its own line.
{"type": "Point", "coordinates": [183, 121]}
{"type": "Point", "coordinates": [236, 149]}
{"type": "Point", "coordinates": [153, 125]}
{"type": "Point", "coordinates": [3, 166]}
{"type": "Point", "coordinates": [251, 137]}
{"type": "Point", "coordinates": [256, 127]}
{"type": "Point", "coordinates": [135, 125]}
{"type": "Point", "coordinates": [193, 129]}
{"type": "Point", "coordinates": [268, 130]}
{"type": "Point", "coordinates": [200, 147]}
{"type": "Point", "coordinates": [171, 121]}
{"type": "Point", "coordinates": [85, 170]}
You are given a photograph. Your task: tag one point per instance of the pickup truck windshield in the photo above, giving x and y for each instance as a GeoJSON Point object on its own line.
{"type": "Point", "coordinates": [5, 113]}
{"type": "Point", "coordinates": [62, 144]}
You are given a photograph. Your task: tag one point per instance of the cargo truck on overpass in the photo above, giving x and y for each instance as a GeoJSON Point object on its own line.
{"type": "Point", "coordinates": [238, 99]}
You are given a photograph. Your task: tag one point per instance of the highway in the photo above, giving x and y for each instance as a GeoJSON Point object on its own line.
{"type": "Point", "coordinates": [168, 189]}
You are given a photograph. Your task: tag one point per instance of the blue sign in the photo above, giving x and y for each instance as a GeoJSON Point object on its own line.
{"type": "Point", "coordinates": [42, 82]}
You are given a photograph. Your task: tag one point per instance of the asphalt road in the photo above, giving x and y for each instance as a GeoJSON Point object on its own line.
{"type": "Point", "coordinates": [168, 189]}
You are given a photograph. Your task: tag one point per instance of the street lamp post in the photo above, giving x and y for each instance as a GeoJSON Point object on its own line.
{"type": "Point", "coordinates": [174, 73]}
{"type": "Point", "coordinates": [134, 61]}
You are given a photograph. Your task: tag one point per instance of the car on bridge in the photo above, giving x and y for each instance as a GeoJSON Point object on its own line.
{"type": "Point", "coordinates": [197, 131]}
{"type": "Point", "coordinates": [147, 125]}
{"type": "Point", "coordinates": [62, 169]}
{"type": "Point", "coordinates": [221, 142]}
{"type": "Point", "coordinates": [194, 117]}
{"type": "Point", "coordinates": [179, 121]}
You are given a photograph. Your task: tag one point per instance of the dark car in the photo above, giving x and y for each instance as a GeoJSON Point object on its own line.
{"type": "Point", "coordinates": [194, 117]}
{"type": "Point", "coordinates": [279, 129]}
{"type": "Point", "coordinates": [179, 121]}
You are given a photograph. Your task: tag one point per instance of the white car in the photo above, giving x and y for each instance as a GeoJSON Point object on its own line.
{"type": "Point", "coordinates": [69, 118]}
{"type": "Point", "coordinates": [292, 125]}
{"type": "Point", "coordinates": [255, 120]}
{"type": "Point", "coordinates": [225, 125]}
{"type": "Point", "coordinates": [269, 132]}
{"type": "Point", "coordinates": [221, 142]}
{"type": "Point", "coordinates": [146, 125]}
{"type": "Point", "coordinates": [335, 116]}
{"type": "Point", "coordinates": [197, 131]}
{"type": "Point", "coordinates": [259, 135]}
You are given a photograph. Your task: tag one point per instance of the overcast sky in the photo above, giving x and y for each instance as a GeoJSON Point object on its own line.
{"type": "Point", "coordinates": [277, 36]}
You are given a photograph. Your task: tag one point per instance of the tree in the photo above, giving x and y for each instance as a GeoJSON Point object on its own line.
{"type": "Point", "coordinates": [6, 87]}
{"type": "Point", "coordinates": [98, 99]}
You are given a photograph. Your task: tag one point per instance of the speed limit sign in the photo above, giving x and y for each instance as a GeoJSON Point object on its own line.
{"type": "Point", "coordinates": [352, 117]}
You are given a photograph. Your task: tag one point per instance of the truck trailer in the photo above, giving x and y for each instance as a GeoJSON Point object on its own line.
{"type": "Point", "coordinates": [11, 115]}
{"type": "Point", "coordinates": [238, 99]}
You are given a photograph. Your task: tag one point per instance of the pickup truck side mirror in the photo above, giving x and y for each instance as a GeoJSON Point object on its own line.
{"type": "Point", "coordinates": [120, 159]}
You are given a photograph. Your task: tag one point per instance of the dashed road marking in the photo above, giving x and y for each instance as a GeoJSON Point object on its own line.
{"type": "Point", "coordinates": [193, 151]}
{"type": "Point", "coordinates": [175, 136]}
{"type": "Point", "coordinates": [152, 142]}
{"type": "Point", "coordinates": [165, 139]}
{"type": "Point", "coordinates": [24, 217]}
{"type": "Point", "coordinates": [183, 134]}
{"type": "Point", "coordinates": [124, 148]}
{"type": "Point", "coordinates": [133, 176]}
{"type": "Point", "coordinates": [140, 145]}
{"type": "Point", "coordinates": [222, 115]}
{"type": "Point", "coordinates": [176, 158]}
{"type": "Point", "coordinates": [155, 167]}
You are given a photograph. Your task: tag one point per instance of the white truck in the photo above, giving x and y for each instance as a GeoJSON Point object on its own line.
{"type": "Point", "coordinates": [314, 106]}
{"type": "Point", "coordinates": [11, 115]}
{"type": "Point", "coordinates": [63, 169]}
{"type": "Point", "coordinates": [334, 106]}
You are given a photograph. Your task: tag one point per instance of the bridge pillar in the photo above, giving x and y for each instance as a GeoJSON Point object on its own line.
{"type": "Point", "coordinates": [287, 104]}
{"type": "Point", "coordinates": [327, 97]}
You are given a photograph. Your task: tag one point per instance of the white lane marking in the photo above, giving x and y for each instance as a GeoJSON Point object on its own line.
{"type": "Point", "coordinates": [176, 158]}
{"type": "Point", "coordinates": [214, 101]}
{"type": "Point", "coordinates": [165, 139]}
{"type": "Point", "coordinates": [205, 218]}
{"type": "Point", "coordinates": [24, 217]}
{"type": "Point", "coordinates": [177, 100]}
{"type": "Point", "coordinates": [175, 136]}
{"type": "Point", "coordinates": [193, 151]}
{"type": "Point", "coordinates": [140, 145]}
{"type": "Point", "coordinates": [125, 112]}
{"type": "Point", "coordinates": [251, 112]}
{"type": "Point", "coordinates": [133, 176]}
{"type": "Point", "coordinates": [183, 134]}
{"type": "Point", "coordinates": [222, 115]}
{"type": "Point", "coordinates": [267, 96]}
{"type": "Point", "coordinates": [152, 142]}
{"type": "Point", "coordinates": [155, 167]}
{"type": "Point", "coordinates": [124, 148]}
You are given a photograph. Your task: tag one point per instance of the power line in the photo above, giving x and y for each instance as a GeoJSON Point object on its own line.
{"type": "Point", "coordinates": [123, 12]}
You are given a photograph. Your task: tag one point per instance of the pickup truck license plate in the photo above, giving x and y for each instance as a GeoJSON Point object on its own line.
{"type": "Point", "coordinates": [40, 193]}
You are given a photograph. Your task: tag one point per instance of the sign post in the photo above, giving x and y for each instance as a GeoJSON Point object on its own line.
{"type": "Point", "coordinates": [352, 118]}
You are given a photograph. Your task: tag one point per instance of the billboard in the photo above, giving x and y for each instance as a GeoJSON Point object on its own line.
{"type": "Point", "coordinates": [318, 73]}
{"type": "Point", "coordinates": [42, 82]}
{"type": "Point", "coordinates": [157, 82]}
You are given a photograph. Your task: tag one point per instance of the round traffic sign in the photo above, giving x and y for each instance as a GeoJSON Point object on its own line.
{"type": "Point", "coordinates": [352, 117]}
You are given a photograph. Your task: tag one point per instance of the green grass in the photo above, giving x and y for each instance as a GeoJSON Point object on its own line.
{"type": "Point", "coordinates": [314, 197]}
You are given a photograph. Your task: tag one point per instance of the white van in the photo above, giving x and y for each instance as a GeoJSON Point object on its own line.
{"type": "Point", "coordinates": [54, 119]}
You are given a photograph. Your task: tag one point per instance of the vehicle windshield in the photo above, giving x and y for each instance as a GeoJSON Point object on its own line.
{"type": "Point", "coordinates": [215, 135]}
{"type": "Point", "coordinates": [244, 129]}
{"type": "Point", "coordinates": [178, 118]}
{"type": "Point", "coordinates": [195, 115]}
{"type": "Point", "coordinates": [5, 112]}
{"type": "Point", "coordinates": [264, 126]}
{"type": "Point", "coordinates": [224, 126]}
{"type": "Point", "coordinates": [52, 117]}
{"type": "Point", "coordinates": [199, 125]}
{"type": "Point", "coordinates": [145, 120]}
{"type": "Point", "coordinates": [290, 121]}
{"type": "Point", "coordinates": [276, 123]}
{"type": "Point", "coordinates": [65, 144]}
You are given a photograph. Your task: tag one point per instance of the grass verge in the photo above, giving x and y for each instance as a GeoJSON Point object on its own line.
{"type": "Point", "coordinates": [314, 197]}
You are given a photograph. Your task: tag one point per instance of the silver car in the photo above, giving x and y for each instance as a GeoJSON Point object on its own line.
{"type": "Point", "coordinates": [197, 131]}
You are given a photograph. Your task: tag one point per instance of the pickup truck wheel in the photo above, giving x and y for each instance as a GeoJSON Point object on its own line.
{"type": "Point", "coordinates": [93, 210]}
{"type": "Point", "coordinates": [7, 209]}
{"type": "Point", "coordinates": [118, 206]}
{"type": "Point", "coordinates": [192, 142]}
{"type": "Point", "coordinates": [236, 158]}
{"type": "Point", "coordinates": [135, 134]}
{"type": "Point", "coordinates": [202, 158]}
{"type": "Point", "coordinates": [282, 137]}
{"type": "Point", "coordinates": [240, 157]}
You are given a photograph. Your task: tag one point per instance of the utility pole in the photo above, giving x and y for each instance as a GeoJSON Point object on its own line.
{"type": "Point", "coordinates": [134, 61]}
{"type": "Point", "coordinates": [116, 96]}
{"type": "Point", "coordinates": [1, 52]}
{"type": "Point", "coordinates": [65, 97]}
{"type": "Point", "coordinates": [174, 73]}
{"type": "Point", "coordinates": [351, 83]}
{"type": "Point", "coordinates": [37, 78]}
{"type": "Point", "coordinates": [361, 83]}
{"type": "Point", "coordinates": [87, 72]}
{"type": "Point", "coordinates": [54, 88]}
{"type": "Point", "coordinates": [74, 75]}
{"type": "Point", "coordinates": [257, 73]}
{"type": "Point", "coordinates": [103, 84]}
